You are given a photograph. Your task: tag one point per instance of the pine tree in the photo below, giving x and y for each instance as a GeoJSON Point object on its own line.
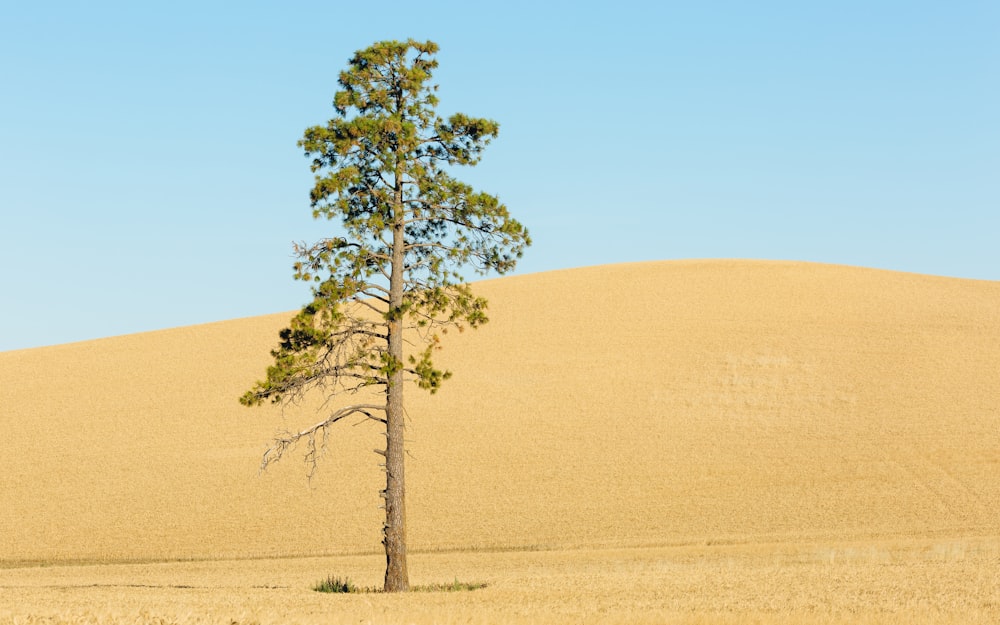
{"type": "Point", "coordinates": [383, 170]}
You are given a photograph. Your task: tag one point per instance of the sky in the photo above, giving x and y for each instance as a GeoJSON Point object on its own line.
{"type": "Point", "coordinates": [150, 177]}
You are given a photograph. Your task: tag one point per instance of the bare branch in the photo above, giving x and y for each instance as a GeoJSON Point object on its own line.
{"type": "Point", "coordinates": [314, 447]}
{"type": "Point", "coordinates": [367, 304]}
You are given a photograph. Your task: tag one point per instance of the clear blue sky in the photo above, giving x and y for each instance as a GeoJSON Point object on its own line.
{"type": "Point", "coordinates": [149, 174]}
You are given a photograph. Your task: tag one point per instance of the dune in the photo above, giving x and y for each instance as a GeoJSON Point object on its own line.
{"type": "Point", "coordinates": [649, 404]}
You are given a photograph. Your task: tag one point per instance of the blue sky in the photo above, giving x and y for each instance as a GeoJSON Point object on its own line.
{"type": "Point", "coordinates": [150, 178]}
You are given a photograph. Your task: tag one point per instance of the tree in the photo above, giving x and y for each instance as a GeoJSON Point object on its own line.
{"type": "Point", "coordinates": [382, 168]}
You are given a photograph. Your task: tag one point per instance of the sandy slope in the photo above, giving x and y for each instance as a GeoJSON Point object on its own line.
{"type": "Point", "coordinates": [644, 404]}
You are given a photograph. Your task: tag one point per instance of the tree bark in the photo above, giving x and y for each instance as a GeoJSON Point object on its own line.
{"type": "Point", "coordinates": [396, 575]}
{"type": "Point", "coordinates": [394, 534]}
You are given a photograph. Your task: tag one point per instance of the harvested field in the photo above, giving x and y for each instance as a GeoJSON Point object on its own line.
{"type": "Point", "coordinates": [694, 442]}
{"type": "Point", "coordinates": [880, 582]}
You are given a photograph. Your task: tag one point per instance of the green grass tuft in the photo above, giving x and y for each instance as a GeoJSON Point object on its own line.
{"type": "Point", "coordinates": [337, 585]}
{"type": "Point", "coordinates": [454, 586]}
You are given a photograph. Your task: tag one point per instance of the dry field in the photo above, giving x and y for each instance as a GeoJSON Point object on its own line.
{"type": "Point", "coordinates": [862, 583]}
{"type": "Point", "coordinates": [689, 442]}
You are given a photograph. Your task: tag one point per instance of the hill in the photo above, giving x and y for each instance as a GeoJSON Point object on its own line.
{"type": "Point", "coordinates": [630, 405]}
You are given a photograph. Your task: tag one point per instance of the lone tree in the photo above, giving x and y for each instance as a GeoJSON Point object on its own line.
{"type": "Point", "coordinates": [382, 168]}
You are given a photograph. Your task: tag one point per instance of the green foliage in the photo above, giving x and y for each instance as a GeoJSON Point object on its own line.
{"type": "Point", "coordinates": [382, 168]}
{"type": "Point", "coordinates": [336, 585]}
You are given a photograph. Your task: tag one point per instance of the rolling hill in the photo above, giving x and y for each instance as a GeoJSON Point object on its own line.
{"type": "Point", "coordinates": [682, 402]}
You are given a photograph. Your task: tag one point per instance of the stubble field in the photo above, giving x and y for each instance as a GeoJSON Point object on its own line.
{"type": "Point", "coordinates": [690, 442]}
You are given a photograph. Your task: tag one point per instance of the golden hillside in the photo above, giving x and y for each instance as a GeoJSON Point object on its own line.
{"type": "Point", "coordinates": [643, 404]}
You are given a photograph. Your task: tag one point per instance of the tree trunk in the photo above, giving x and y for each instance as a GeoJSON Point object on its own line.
{"type": "Point", "coordinates": [394, 534]}
{"type": "Point", "coordinates": [394, 539]}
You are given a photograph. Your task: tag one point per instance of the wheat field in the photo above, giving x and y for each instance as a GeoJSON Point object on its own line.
{"type": "Point", "coordinates": [685, 441]}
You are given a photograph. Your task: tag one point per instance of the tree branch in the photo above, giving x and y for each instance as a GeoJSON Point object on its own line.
{"type": "Point", "coordinates": [314, 448]}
